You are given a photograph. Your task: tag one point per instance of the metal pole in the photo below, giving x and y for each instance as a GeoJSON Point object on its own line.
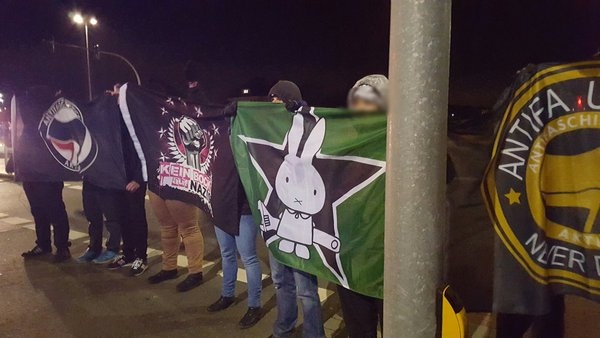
{"type": "Point", "coordinates": [137, 76]}
{"type": "Point", "coordinates": [415, 220]}
{"type": "Point", "coordinates": [118, 56]}
{"type": "Point", "coordinates": [87, 56]}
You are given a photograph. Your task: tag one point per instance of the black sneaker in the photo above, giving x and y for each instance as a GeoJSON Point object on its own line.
{"type": "Point", "coordinates": [221, 304]}
{"type": "Point", "coordinates": [62, 255]}
{"type": "Point", "coordinates": [138, 267]}
{"type": "Point", "coordinates": [191, 281]}
{"type": "Point", "coordinates": [252, 316]}
{"type": "Point", "coordinates": [162, 276]}
{"type": "Point", "coordinates": [119, 262]}
{"type": "Point", "coordinates": [35, 252]}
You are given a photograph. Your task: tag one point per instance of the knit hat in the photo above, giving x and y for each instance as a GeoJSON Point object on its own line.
{"type": "Point", "coordinates": [285, 91]}
{"type": "Point", "coordinates": [371, 88]}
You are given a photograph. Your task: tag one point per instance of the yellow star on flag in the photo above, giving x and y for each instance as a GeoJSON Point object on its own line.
{"type": "Point", "coordinates": [513, 197]}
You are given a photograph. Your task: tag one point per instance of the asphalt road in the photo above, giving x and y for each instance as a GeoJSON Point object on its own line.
{"type": "Point", "coordinates": [41, 299]}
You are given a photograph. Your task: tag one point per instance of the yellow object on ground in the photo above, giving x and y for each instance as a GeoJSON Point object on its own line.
{"type": "Point", "coordinates": [452, 316]}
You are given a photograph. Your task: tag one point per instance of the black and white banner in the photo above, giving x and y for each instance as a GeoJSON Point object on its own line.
{"type": "Point", "coordinates": [185, 152]}
{"type": "Point", "coordinates": [59, 139]}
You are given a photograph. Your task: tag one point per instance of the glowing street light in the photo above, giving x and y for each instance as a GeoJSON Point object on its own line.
{"type": "Point", "coordinates": [79, 19]}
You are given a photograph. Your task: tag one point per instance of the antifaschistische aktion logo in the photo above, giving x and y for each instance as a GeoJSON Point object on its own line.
{"type": "Point", "coordinates": [543, 183]}
{"type": "Point", "coordinates": [67, 137]}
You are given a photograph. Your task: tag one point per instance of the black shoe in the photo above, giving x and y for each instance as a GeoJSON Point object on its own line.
{"type": "Point", "coordinates": [62, 255]}
{"type": "Point", "coordinates": [221, 304]}
{"type": "Point", "coordinates": [35, 252]}
{"type": "Point", "coordinates": [162, 276]}
{"type": "Point", "coordinates": [120, 262]}
{"type": "Point", "coordinates": [252, 316]}
{"type": "Point", "coordinates": [138, 267]}
{"type": "Point", "coordinates": [191, 281]}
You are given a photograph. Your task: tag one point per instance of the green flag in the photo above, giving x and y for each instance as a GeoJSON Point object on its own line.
{"type": "Point", "coordinates": [315, 183]}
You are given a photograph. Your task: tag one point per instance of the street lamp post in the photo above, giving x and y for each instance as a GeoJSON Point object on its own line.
{"type": "Point", "coordinates": [85, 21]}
{"type": "Point", "coordinates": [415, 223]}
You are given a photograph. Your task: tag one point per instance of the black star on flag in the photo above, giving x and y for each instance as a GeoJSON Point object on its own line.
{"type": "Point", "coordinates": [299, 162]}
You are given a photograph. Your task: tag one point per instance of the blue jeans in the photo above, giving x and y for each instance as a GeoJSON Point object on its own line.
{"type": "Point", "coordinates": [245, 244]}
{"type": "Point", "coordinates": [291, 283]}
{"type": "Point", "coordinates": [100, 204]}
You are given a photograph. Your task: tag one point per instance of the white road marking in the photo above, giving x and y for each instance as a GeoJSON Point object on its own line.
{"type": "Point", "coordinates": [182, 261]}
{"type": "Point", "coordinates": [324, 294]}
{"type": "Point", "coordinates": [29, 226]}
{"type": "Point", "coordinates": [483, 330]}
{"type": "Point", "coordinates": [153, 252]}
{"type": "Point", "coordinates": [15, 220]}
{"type": "Point", "coordinates": [74, 235]}
{"type": "Point", "coordinates": [241, 275]}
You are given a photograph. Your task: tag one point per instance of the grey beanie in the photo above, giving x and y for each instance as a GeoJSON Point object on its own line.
{"type": "Point", "coordinates": [372, 88]}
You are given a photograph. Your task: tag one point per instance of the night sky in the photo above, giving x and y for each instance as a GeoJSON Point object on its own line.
{"type": "Point", "coordinates": [324, 46]}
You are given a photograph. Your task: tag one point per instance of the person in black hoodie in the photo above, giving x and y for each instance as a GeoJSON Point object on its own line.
{"type": "Point", "coordinates": [134, 228]}
{"type": "Point", "coordinates": [291, 284]}
{"type": "Point", "coordinates": [43, 193]}
{"type": "Point", "coordinates": [194, 92]}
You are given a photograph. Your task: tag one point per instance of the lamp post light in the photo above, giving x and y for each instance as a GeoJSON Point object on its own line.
{"type": "Point", "coordinates": [79, 19]}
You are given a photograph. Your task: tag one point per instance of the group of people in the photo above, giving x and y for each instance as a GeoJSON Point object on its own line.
{"type": "Point", "coordinates": [123, 214]}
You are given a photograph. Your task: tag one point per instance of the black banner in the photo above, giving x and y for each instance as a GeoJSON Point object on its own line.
{"type": "Point", "coordinates": [542, 188]}
{"type": "Point", "coordinates": [61, 140]}
{"type": "Point", "coordinates": [185, 151]}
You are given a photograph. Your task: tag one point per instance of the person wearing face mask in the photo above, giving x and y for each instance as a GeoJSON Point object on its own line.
{"type": "Point", "coordinates": [362, 314]}
{"type": "Point", "coordinates": [369, 94]}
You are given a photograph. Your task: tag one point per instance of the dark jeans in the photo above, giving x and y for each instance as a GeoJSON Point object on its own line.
{"type": "Point", "coordinates": [361, 313]}
{"type": "Point", "coordinates": [135, 228]}
{"type": "Point", "coordinates": [48, 208]}
{"type": "Point", "coordinates": [551, 325]}
{"type": "Point", "coordinates": [292, 285]}
{"type": "Point", "coordinates": [100, 204]}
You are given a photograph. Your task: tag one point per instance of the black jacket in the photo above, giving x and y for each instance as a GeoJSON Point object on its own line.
{"type": "Point", "coordinates": [133, 165]}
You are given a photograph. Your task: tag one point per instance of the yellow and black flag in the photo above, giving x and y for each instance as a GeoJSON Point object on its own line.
{"type": "Point", "coordinates": [542, 188]}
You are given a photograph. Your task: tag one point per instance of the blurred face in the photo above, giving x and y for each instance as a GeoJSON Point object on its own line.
{"type": "Point", "coordinates": [364, 106]}
{"type": "Point", "coordinates": [275, 99]}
